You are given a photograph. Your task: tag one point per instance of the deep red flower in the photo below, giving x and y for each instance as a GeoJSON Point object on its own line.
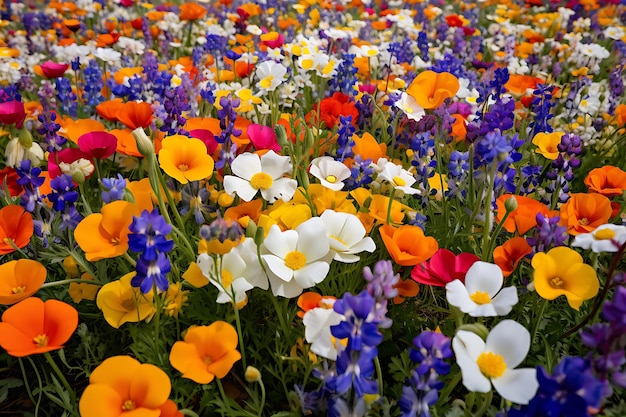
{"type": "Point", "coordinates": [207, 137]}
{"type": "Point", "coordinates": [443, 267]}
{"type": "Point", "coordinates": [53, 69]}
{"type": "Point", "coordinates": [331, 108]}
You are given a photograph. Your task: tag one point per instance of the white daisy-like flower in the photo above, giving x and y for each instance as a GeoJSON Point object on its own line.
{"type": "Point", "coordinates": [331, 173]}
{"type": "Point", "coordinates": [409, 107]}
{"type": "Point", "coordinates": [264, 173]}
{"type": "Point", "coordinates": [493, 361]}
{"type": "Point", "coordinates": [270, 74]}
{"type": "Point", "coordinates": [227, 275]}
{"type": "Point", "coordinates": [482, 295]}
{"type": "Point", "coordinates": [108, 55]}
{"type": "Point", "coordinates": [254, 271]}
{"type": "Point", "coordinates": [605, 238]}
{"type": "Point", "coordinates": [398, 177]}
{"type": "Point", "coordinates": [317, 322]}
{"type": "Point", "coordinates": [296, 259]}
{"type": "Point", "coordinates": [346, 236]}
{"type": "Point", "coordinates": [15, 152]}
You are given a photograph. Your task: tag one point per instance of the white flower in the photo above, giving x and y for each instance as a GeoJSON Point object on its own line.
{"type": "Point", "coordinates": [254, 271]}
{"type": "Point", "coordinates": [614, 32]}
{"type": "Point", "coordinates": [228, 276]}
{"type": "Point", "coordinates": [409, 107]}
{"type": "Point", "coordinates": [346, 236]}
{"type": "Point", "coordinates": [400, 178]}
{"type": "Point", "coordinates": [493, 362]}
{"type": "Point", "coordinates": [15, 153]}
{"type": "Point", "coordinates": [81, 167]}
{"type": "Point", "coordinates": [270, 74]}
{"type": "Point", "coordinates": [317, 322]}
{"type": "Point", "coordinates": [108, 55]}
{"type": "Point", "coordinates": [605, 238]}
{"type": "Point", "coordinates": [331, 173]}
{"type": "Point", "coordinates": [265, 173]}
{"type": "Point", "coordinates": [482, 295]}
{"type": "Point", "coordinates": [295, 259]}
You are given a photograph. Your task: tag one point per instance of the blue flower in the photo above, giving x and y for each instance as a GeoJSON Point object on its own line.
{"type": "Point", "coordinates": [148, 235]}
{"type": "Point", "coordinates": [152, 273]}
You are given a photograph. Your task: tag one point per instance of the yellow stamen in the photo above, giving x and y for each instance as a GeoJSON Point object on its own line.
{"type": "Point", "coordinates": [491, 365]}
{"type": "Point", "coordinates": [227, 278]}
{"type": "Point", "coordinates": [183, 167]}
{"type": "Point", "coordinates": [331, 179]}
{"type": "Point", "coordinates": [261, 181]}
{"type": "Point", "coordinates": [18, 290]}
{"type": "Point", "coordinates": [584, 221]}
{"type": "Point", "coordinates": [295, 260]}
{"type": "Point", "coordinates": [128, 405]}
{"type": "Point", "coordinates": [41, 340]}
{"type": "Point", "coordinates": [604, 234]}
{"type": "Point", "coordinates": [399, 181]}
{"type": "Point", "coordinates": [557, 282]}
{"type": "Point", "coordinates": [480, 297]}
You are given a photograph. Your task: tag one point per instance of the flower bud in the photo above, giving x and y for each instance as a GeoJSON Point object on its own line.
{"type": "Point", "coordinates": [26, 138]}
{"type": "Point", "coordinates": [144, 143]}
{"type": "Point", "coordinates": [252, 374]}
{"type": "Point", "coordinates": [510, 204]}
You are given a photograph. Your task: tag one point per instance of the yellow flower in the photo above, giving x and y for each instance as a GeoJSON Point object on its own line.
{"type": "Point", "coordinates": [121, 303]}
{"type": "Point", "coordinates": [185, 159]}
{"type": "Point", "coordinates": [561, 271]}
{"type": "Point", "coordinates": [175, 298]}
{"type": "Point", "coordinates": [547, 144]}
{"type": "Point", "coordinates": [80, 291]}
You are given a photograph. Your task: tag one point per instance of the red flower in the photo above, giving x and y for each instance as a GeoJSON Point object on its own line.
{"type": "Point", "coordinates": [443, 267]}
{"type": "Point", "coordinates": [98, 144]}
{"type": "Point", "coordinates": [10, 176]}
{"type": "Point", "coordinates": [68, 156]}
{"type": "Point", "coordinates": [331, 108]}
{"type": "Point", "coordinates": [12, 112]}
{"type": "Point", "coordinates": [53, 69]}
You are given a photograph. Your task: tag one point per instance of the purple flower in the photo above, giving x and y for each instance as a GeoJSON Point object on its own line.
{"type": "Point", "coordinates": [359, 326]}
{"type": "Point", "coordinates": [114, 188]}
{"type": "Point", "coordinates": [152, 274]}
{"type": "Point", "coordinates": [148, 235]}
{"type": "Point", "coordinates": [355, 369]}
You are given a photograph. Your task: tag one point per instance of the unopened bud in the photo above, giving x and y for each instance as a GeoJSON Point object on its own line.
{"type": "Point", "coordinates": [144, 143]}
{"type": "Point", "coordinates": [510, 204]}
{"type": "Point", "coordinates": [252, 374]}
{"type": "Point", "coordinates": [281, 135]}
{"type": "Point", "coordinates": [476, 328]}
{"type": "Point", "coordinates": [25, 138]}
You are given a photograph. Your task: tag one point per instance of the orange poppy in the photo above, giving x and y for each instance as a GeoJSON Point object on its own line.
{"type": "Point", "coordinates": [608, 180]}
{"type": "Point", "coordinates": [368, 147]}
{"type": "Point", "coordinates": [407, 245]}
{"type": "Point", "coordinates": [406, 288]}
{"type": "Point", "coordinates": [547, 144]}
{"type": "Point", "coordinates": [374, 207]}
{"type": "Point", "coordinates": [135, 114]}
{"type": "Point", "coordinates": [582, 213]}
{"type": "Point", "coordinates": [16, 228]}
{"type": "Point", "coordinates": [207, 352]}
{"type": "Point", "coordinates": [520, 84]}
{"type": "Point", "coordinates": [430, 89]}
{"type": "Point", "coordinates": [20, 279]}
{"type": "Point", "coordinates": [108, 109]}
{"type": "Point", "coordinates": [191, 11]}
{"type": "Point", "coordinates": [32, 326]}
{"type": "Point", "coordinates": [308, 301]}
{"type": "Point", "coordinates": [245, 211]}
{"type": "Point", "coordinates": [73, 129]}
{"type": "Point", "coordinates": [508, 256]}
{"type": "Point", "coordinates": [523, 218]}
{"type": "Point", "coordinates": [122, 385]}
{"type": "Point", "coordinates": [105, 235]}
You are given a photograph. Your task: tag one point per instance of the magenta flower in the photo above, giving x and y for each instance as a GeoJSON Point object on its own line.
{"type": "Point", "coordinates": [12, 112]}
{"type": "Point", "coordinates": [98, 144]}
{"type": "Point", "coordinates": [443, 267]}
{"type": "Point", "coordinates": [207, 137]}
{"type": "Point", "coordinates": [53, 69]}
{"type": "Point", "coordinates": [263, 137]}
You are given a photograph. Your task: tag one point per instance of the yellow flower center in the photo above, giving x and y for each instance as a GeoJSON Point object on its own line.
{"type": "Point", "coordinates": [41, 340]}
{"type": "Point", "coordinates": [128, 405]}
{"type": "Point", "coordinates": [604, 234]}
{"type": "Point", "coordinates": [295, 260]}
{"type": "Point", "coordinates": [557, 282]}
{"type": "Point", "coordinates": [480, 297]}
{"type": "Point", "coordinates": [207, 360]}
{"type": "Point", "coordinates": [491, 365]}
{"type": "Point", "coordinates": [18, 290]}
{"type": "Point", "coordinates": [129, 303]}
{"type": "Point", "coordinates": [8, 240]}
{"type": "Point", "coordinates": [261, 181]}
{"type": "Point", "coordinates": [399, 181]}
{"type": "Point", "coordinates": [337, 239]}
{"type": "Point", "coordinates": [227, 278]}
{"type": "Point", "coordinates": [115, 241]}
{"type": "Point", "coordinates": [267, 81]}
{"type": "Point", "coordinates": [584, 221]}
{"type": "Point", "coordinates": [183, 167]}
{"type": "Point", "coordinates": [331, 179]}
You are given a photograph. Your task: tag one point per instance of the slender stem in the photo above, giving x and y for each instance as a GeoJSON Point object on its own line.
{"type": "Point", "coordinates": [188, 412]}
{"type": "Point", "coordinates": [223, 394]}
{"type": "Point", "coordinates": [490, 184]}
{"type": "Point", "coordinates": [537, 319]}
{"type": "Point", "coordinates": [495, 234]}
{"type": "Point", "coordinates": [63, 380]}
{"type": "Point", "coordinates": [379, 373]}
{"type": "Point", "coordinates": [239, 331]}
{"type": "Point", "coordinates": [129, 259]}
{"type": "Point", "coordinates": [262, 397]}
{"type": "Point", "coordinates": [69, 281]}
{"type": "Point", "coordinates": [487, 398]}
{"type": "Point", "coordinates": [393, 192]}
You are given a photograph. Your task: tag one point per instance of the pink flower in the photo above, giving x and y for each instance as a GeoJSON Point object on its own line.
{"type": "Point", "coordinates": [98, 144]}
{"type": "Point", "coordinates": [207, 137]}
{"type": "Point", "coordinates": [53, 69]}
{"type": "Point", "coordinates": [263, 137]}
{"type": "Point", "coordinates": [67, 156]}
{"type": "Point", "coordinates": [443, 267]}
{"type": "Point", "coordinates": [12, 112]}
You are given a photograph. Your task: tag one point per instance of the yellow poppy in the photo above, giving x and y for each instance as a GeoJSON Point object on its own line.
{"type": "Point", "coordinates": [185, 159]}
{"type": "Point", "coordinates": [547, 144]}
{"type": "Point", "coordinates": [121, 303]}
{"type": "Point", "coordinates": [561, 271]}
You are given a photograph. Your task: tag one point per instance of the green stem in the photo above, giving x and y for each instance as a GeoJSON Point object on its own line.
{"type": "Point", "coordinates": [487, 398]}
{"type": "Point", "coordinates": [494, 235]}
{"type": "Point", "coordinates": [537, 319]}
{"type": "Point", "coordinates": [188, 412]}
{"type": "Point", "coordinates": [129, 259]}
{"type": "Point", "coordinates": [239, 331]}
{"type": "Point", "coordinates": [490, 183]}
{"type": "Point", "coordinates": [379, 373]}
{"type": "Point", "coordinates": [262, 397]}
{"type": "Point", "coordinates": [391, 196]}
{"type": "Point", "coordinates": [279, 313]}
{"type": "Point", "coordinates": [447, 390]}
{"type": "Point", "coordinates": [69, 281]}
{"type": "Point", "coordinates": [63, 380]}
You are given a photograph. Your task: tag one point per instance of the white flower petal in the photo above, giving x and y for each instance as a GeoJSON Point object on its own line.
{"type": "Point", "coordinates": [484, 277]}
{"type": "Point", "coordinates": [282, 188]}
{"type": "Point", "coordinates": [457, 295]}
{"type": "Point", "coordinates": [312, 239]}
{"type": "Point", "coordinates": [504, 301]}
{"type": "Point", "coordinates": [284, 289]}
{"type": "Point", "coordinates": [510, 340]}
{"type": "Point", "coordinates": [246, 165]}
{"type": "Point", "coordinates": [517, 385]}
{"type": "Point", "coordinates": [254, 273]}
{"type": "Point", "coordinates": [235, 185]}
{"type": "Point", "coordinates": [311, 274]}
{"type": "Point", "coordinates": [275, 165]}
{"type": "Point", "coordinates": [278, 267]}
{"type": "Point", "coordinates": [467, 347]}
{"type": "Point", "coordinates": [280, 243]}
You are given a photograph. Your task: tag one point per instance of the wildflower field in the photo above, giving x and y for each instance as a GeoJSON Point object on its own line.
{"type": "Point", "coordinates": [324, 207]}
